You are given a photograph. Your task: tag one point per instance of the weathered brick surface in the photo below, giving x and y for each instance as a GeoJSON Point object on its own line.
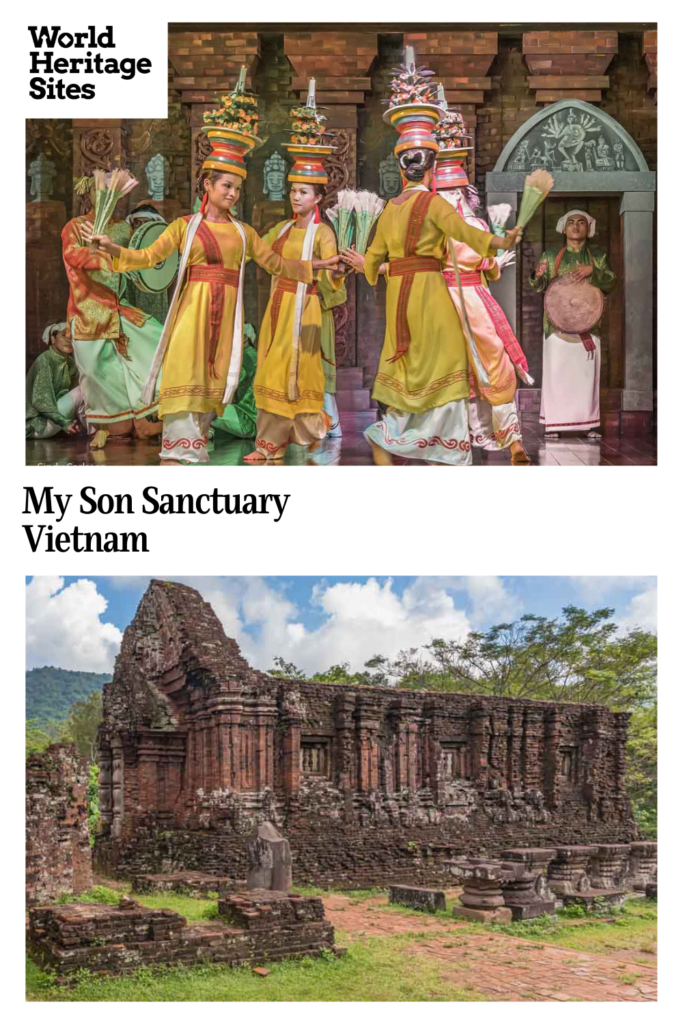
{"type": "Point", "coordinates": [189, 883]}
{"type": "Point", "coordinates": [257, 926]}
{"type": "Point", "coordinates": [58, 857]}
{"type": "Point", "coordinates": [367, 784]}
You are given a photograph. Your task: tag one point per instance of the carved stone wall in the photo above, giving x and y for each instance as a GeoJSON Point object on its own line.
{"type": "Point", "coordinates": [376, 779]}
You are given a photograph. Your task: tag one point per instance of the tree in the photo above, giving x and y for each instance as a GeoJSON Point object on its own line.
{"type": "Point", "coordinates": [580, 657]}
{"type": "Point", "coordinates": [641, 769]}
{"type": "Point", "coordinates": [83, 722]}
{"type": "Point", "coordinates": [37, 739]}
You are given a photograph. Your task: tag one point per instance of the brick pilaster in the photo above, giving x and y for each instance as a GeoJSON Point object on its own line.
{"type": "Point", "coordinates": [569, 64]}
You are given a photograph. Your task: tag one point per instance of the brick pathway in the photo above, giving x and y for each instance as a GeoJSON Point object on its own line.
{"type": "Point", "coordinates": [501, 967]}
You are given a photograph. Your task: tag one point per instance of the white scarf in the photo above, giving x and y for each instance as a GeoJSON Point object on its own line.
{"type": "Point", "coordinates": [147, 396]}
{"type": "Point", "coordinates": [299, 302]}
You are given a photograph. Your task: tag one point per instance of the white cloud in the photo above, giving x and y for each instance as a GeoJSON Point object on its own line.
{"type": "Point", "coordinates": [64, 626]}
{"type": "Point", "coordinates": [641, 611]}
{"type": "Point", "coordinates": [491, 601]}
{"type": "Point", "coordinates": [602, 588]}
{"type": "Point", "coordinates": [360, 620]}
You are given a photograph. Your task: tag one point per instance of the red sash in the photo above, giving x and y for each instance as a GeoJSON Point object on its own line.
{"type": "Point", "coordinates": [416, 219]}
{"type": "Point", "coordinates": [214, 260]}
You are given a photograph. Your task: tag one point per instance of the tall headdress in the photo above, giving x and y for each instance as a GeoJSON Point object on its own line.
{"type": "Point", "coordinates": [412, 109]}
{"type": "Point", "coordinates": [232, 130]}
{"type": "Point", "coordinates": [452, 139]}
{"type": "Point", "coordinates": [306, 142]}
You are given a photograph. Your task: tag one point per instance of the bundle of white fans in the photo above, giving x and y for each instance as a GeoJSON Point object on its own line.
{"type": "Point", "coordinates": [355, 211]}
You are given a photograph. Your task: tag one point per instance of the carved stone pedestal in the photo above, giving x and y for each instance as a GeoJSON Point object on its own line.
{"type": "Point", "coordinates": [608, 866]}
{"type": "Point", "coordinates": [642, 868]}
{"type": "Point", "coordinates": [526, 892]}
{"type": "Point", "coordinates": [568, 870]}
{"type": "Point", "coordinates": [482, 899]}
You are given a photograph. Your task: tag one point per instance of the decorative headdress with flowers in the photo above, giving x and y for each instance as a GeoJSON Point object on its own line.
{"type": "Point", "coordinates": [412, 109]}
{"type": "Point", "coordinates": [306, 142]}
{"type": "Point", "coordinates": [452, 138]}
{"type": "Point", "coordinates": [232, 130]}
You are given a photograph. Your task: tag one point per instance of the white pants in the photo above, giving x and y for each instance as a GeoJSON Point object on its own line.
{"type": "Point", "coordinates": [493, 426]}
{"type": "Point", "coordinates": [330, 407]}
{"type": "Point", "coordinates": [570, 396]}
{"type": "Point", "coordinates": [71, 405]}
{"type": "Point", "coordinates": [185, 436]}
{"type": "Point", "coordinates": [438, 435]}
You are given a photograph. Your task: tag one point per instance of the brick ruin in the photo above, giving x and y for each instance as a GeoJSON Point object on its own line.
{"type": "Point", "coordinates": [369, 785]}
{"type": "Point", "coordinates": [58, 856]}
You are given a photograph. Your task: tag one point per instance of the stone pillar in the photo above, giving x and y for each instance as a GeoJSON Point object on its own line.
{"type": "Point", "coordinates": [117, 788]}
{"type": "Point", "coordinates": [497, 756]}
{"type": "Point", "coordinates": [551, 757]}
{"type": "Point", "coordinates": [265, 714]}
{"type": "Point", "coordinates": [482, 897]}
{"type": "Point", "coordinates": [642, 865]}
{"type": "Point", "coordinates": [269, 860]}
{"type": "Point", "coordinates": [479, 733]}
{"type": "Point", "coordinates": [532, 748]}
{"type": "Point", "coordinates": [367, 722]}
{"type": "Point", "coordinates": [608, 866]}
{"type": "Point", "coordinates": [228, 715]}
{"type": "Point", "coordinates": [104, 759]}
{"type": "Point", "coordinates": [291, 750]}
{"type": "Point", "coordinates": [636, 223]}
{"type": "Point", "coordinates": [568, 869]}
{"type": "Point", "coordinates": [344, 747]}
{"type": "Point", "coordinates": [514, 751]}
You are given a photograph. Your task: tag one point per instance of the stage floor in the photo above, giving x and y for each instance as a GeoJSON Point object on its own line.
{"type": "Point", "coordinates": [353, 450]}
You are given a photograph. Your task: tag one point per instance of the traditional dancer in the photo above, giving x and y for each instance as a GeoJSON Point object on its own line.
{"type": "Point", "coordinates": [570, 394]}
{"type": "Point", "coordinates": [54, 400]}
{"type": "Point", "coordinates": [423, 374]}
{"type": "Point", "coordinates": [494, 352]}
{"type": "Point", "coordinates": [201, 345]}
{"type": "Point", "coordinates": [114, 342]}
{"type": "Point", "coordinates": [290, 379]}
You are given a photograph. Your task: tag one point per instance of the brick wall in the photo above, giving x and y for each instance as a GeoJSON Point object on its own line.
{"type": "Point", "coordinates": [58, 858]}
{"type": "Point", "coordinates": [196, 748]}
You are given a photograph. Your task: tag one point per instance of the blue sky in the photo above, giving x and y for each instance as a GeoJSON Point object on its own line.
{"type": "Point", "coordinates": [76, 621]}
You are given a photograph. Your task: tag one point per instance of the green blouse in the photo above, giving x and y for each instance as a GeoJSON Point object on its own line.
{"type": "Point", "coordinates": [603, 277]}
{"type": "Point", "coordinates": [51, 376]}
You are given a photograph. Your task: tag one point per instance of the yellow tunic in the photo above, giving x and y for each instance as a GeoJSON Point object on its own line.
{"type": "Point", "coordinates": [434, 370]}
{"type": "Point", "coordinates": [187, 384]}
{"type": "Point", "coordinates": [275, 353]}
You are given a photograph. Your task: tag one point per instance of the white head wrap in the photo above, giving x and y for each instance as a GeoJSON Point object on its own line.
{"type": "Point", "coordinates": [140, 213]}
{"type": "Point", "coordinates": [576, 213]}
{"type": "Point", "coordinates": [51, 330]}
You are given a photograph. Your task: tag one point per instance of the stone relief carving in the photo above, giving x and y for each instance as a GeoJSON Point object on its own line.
{"type": "Point", "coordinates": [566, 141]}
{"type": "Point", "coordinates": [275, 178]}
{"type": "Point", "coordinates": [389, 177]}
{"type": "Point", "coordinates": [157, 172]}
{"type": "Point", "coordinates": [42, 173]}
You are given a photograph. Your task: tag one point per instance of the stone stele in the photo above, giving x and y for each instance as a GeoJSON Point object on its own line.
{"type": "Point", "coordinates": [269, 860]}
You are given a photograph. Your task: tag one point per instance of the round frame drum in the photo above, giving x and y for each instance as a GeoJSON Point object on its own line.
{"type": "Point", "coordinates": [573, 308]}
{"type": "Point", "coordinates": [154, 279]}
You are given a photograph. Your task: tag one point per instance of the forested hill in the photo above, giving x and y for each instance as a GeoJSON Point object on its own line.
{"type": "Point", "coordinates": [50, 691]}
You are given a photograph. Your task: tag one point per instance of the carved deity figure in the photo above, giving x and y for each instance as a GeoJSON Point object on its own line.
{"type": "Point", "coordinates": [548, 158]}
{"type": "Point", "coordinates": [521, 157]}
{"type": "Point", "coordinates": [158, 170]}
{"type": "Point", "coordinates": [604, 161]}
{"type": "Point", "coordinates": [570, 135]}
{"type": "Point", "coordinates": [42, 173]}
{"type": "Point", "coordinates": [389, 177]}
{"type": "Point", "coordinates": [536, 159]}
{"type": "Point", "coordinates": [275, 178]}
{"type": "Point", "coordinates": [618, 148]}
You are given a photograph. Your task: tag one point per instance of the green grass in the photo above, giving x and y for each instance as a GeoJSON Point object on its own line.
{"type": "Point", "coordinates": [634, 928]}
{"type": "Point", "coordinates": [376, 970]}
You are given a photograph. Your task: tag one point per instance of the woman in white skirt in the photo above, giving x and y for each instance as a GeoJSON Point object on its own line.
{"type": "Point", "coordinates": [570, 395]}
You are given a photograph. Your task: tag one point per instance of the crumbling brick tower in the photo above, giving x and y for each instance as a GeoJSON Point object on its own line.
{"type": "Point", "coordinates": [369, 785]}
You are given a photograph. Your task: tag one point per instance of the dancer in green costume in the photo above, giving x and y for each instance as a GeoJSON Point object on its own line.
{"type": "Point", "coordinates": [54, 401]}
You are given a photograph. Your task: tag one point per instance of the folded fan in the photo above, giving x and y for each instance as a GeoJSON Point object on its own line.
{"type": "Point", "coordinates": [342, 217]}
{"type": "Point", "coordinates": [498, 217]}
{"type": "Point", "coordinates": [537, 185]}
{"type": "Point", "coordinates": [368, 206]}
{"type": "Point", "coordinates": [110, 186]}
